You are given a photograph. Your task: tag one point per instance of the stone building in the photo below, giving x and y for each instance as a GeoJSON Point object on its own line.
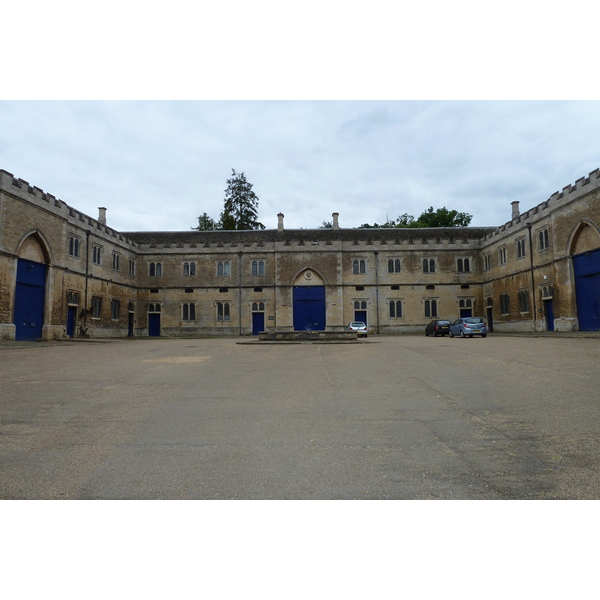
{"type": "Point", "coordinates": [66, 274]}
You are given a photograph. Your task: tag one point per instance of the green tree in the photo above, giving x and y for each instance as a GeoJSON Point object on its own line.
{"type": "Point", "coordinates": [240, 208]}
{"type": "Point", "coordinates": [326, 225]}
{"type": "Point", "coordinates": [442, 217]}
{"type": "Point", "coordinates": [205, 223]}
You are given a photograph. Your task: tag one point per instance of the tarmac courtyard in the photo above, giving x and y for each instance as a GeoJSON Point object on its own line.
{"type": "Point", "coordinates": [389, 417]}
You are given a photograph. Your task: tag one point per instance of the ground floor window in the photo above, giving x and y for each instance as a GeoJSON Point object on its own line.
{"type": "Point", "coordinates": [96, 307]}
{"type": "Point", "coordinates": [504, 304]}
{"type": "Point", "coordinates": [188, 311]}
{"type": "Point", "coordinates": [395, 309]}
{"type": "Point", "coordinates": [524, 301]}
{"type": "Point", "coordinates": [223, 311]}
{"type": "Point", "coordinates": [431, 308]}
{"type": "Point", "coordinates": [115, 309]}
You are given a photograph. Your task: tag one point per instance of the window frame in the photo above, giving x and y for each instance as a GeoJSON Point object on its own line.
{"type": "Point", "coordinates": [428, 265]}
{"type": "Point", "coordinates": [223, 312]}
{"type": "Point", "coordinates": [96, 308]}
{"type": "Point", "coordinates": [74, 246]}
{"type": "Point", "coordinates": [223, 268]}
{"type": "Point", "coordinates": [430, 308]}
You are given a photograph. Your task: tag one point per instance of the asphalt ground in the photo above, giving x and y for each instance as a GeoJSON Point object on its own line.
{"type": "Point", "coordinates": [389, 417]}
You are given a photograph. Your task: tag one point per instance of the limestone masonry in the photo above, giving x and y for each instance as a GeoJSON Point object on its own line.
{"type": "Point", "coordinates": [66, 274]}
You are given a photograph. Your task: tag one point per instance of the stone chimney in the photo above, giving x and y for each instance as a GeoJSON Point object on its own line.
{"type": "Point", "coordinates": [336, 224]}
{"type": "Point", "coordinates": [515, 210]}
{"type": "Point", "coordinates": [280, 221]}
{"type": "Point", "coordinates": [102, 215]}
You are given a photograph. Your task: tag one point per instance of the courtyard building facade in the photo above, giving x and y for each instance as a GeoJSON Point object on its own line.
{"type": "Point", "coordinates": [64, 274]}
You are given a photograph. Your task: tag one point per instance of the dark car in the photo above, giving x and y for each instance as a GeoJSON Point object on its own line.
{"type": "Point", "coordinates": [468, 327]}
{"type": "Point", "coordinates": [437, 327]}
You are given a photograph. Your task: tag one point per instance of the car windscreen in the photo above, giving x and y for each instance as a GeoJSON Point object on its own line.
{"type": "Point", "coordinates": [473, 320]}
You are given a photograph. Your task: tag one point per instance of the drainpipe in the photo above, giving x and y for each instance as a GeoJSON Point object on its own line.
{"type": "Point", "coordinates": [87, 276]}
{"type": "Point", "coordinates": [532, 280]}
{"type": "Point", "coordinates": [377, 290]}
{"type": "Point", "coordinates": [240, 291]}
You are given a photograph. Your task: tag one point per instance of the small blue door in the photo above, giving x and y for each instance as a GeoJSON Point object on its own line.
{"type": "Point", "coordinates": [258, 322]}
{"type": "Point", "coordinates": [30, 293]}
{"type": "Point", "coordinates": [71, 317]}
{"type": "Point", "coordinates": [309, 308]}
{"type": "Point", "coordinates": [549, 310]}
{"type": "Point", "coordinates": [361, 315]}
{"type": "Point", "coordinates": [154, 324]}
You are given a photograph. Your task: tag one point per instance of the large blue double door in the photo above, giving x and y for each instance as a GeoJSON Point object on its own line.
{"type": "Point", "coordinates": [587, 288]}
{"type": "Point", "coordinates": [30, 293]}
{"type": "Point", "coordinates": [309, 308]}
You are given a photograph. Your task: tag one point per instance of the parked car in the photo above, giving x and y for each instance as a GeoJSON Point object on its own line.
{"type": "Point", "coordinates": [359, 327]}
{"type": "Point", "coordinates": [468, 327]}
{"type": "Point", "coordinates": [438, 327]}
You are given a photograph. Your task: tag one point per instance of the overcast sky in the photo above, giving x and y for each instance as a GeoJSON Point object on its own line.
{"type": "Point", "coordinates": [157, 165]}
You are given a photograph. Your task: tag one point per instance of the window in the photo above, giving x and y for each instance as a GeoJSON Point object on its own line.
{"type": "Point", "coordinates": [486, 262]}
{"type": "Point", "coordinates": [428, 265]}
{"type": "Point", "coordinates": [258, 267]}
{"type": "Point", "coordinates": [524, 301]}
{"type": "Point", "coordinates": [502, 255]}
{"type": "Point", "coordinates": [360, 305]}
{"type": "Point", "coordinates": [72, 298]}
{"type": "Point", "coordinates": [258, 306]}
{"type": "Point", "coordinates": [521, 248]}
{"type": "Point", "coordinates": [394, 265]}
{"type": "Point", "coordinates": [131, 266]}
{"type": "Point", "coordinates": [504, 304]}
{"type": "Point", "coordinates": [359, 266]}
{"type": "Point", "coordinates": [223, 268]}
{"type": "Point", "coordinates": [463, 265]}
{"type": "Point", "coordinates": [116, 261]}
{"type": "Point", "coordinates": [74, 244]}
{"type": "Point", "coordinates": [223, 312]}
{"type": "Point", "coordinates": [189, 269]}
{"type": "Point", "coordinates": [543, 239]}
{"type": "Point", "coordinates": [153, 308]}
{"type": "Point", "coordinates": [465, 303]}
{"type": "Point", "coordinates": [115, 309]}
{"type": "Point", "coordinates": [97, 255]}
{"type": "Point", "coordinates": [431, 308]}
{"type": "Point", "coordinates": [395, 309]}
{"type": "Point", "coordinates": [96, 307]}
{"type": "Point", "coordinates": [155, 269]}
{"type": "Point", "coordinates": [188, 311]}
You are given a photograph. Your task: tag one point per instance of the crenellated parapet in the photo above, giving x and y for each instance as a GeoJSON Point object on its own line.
{"type": "Point", "coordinates": [36, 196]}
{"type": "Point", "coordinates": [570, 193]}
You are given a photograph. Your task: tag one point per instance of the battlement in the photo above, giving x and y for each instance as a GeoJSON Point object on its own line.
{"type": "Point", "coordinates": [571, 192]}
{"type": "Point", "coordinates": [35, 195]}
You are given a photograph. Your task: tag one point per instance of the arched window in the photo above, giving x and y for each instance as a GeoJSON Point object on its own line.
{"type": "Point", "coordinates": [463, 265]}
{"type": "Point", "coordinates": [431, 308]}
{"type": "Point", "coordinates": [188, 312]}
{"type": "Point", "coordinates": [155, 269]}
{"type": "Point", "coordinates": [359, 266]}
{"type": "Point", "coordinates": [223, 268]}
{"type": "Point", "coordinates": [394, 265]}
{"type": "Point", "coordinates": [428, 265]}
{"type": "Point", "coordinates": [258, 267]}
{"type": "Point", "coordinates": [223, 312]}
{"type": "Point", "coordinates": [395, 309]}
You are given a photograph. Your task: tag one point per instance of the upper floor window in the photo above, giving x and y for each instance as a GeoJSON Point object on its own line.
{"type": "Point", "coordinates": [359, 266]}
{"type": "Point", "coordinates": [188, 311]}
{"type": "Point", "coordinates": [116, 261]}
{"type": "Point", "coordinates": [155, 269]}
{"type": "Point", "coordinates": [189, 269]}
{"type": "Point", "coordinates": [223, 268]}
{"type": "Point", "coordinates": [521, 248]}
{"type": "Point", "coordinates": [74, 246]}
{"type": "Point", "coordinates": [258, 267]}
{"type": "Point", "coordinates": [486, 262]}
{"type": "Point", "coordinates": [394, 265]}
{"type": "Point", "coordinates": [131, 266]}
{"type": "Point", "coordinates": [97, 254]}
{"type": "Point", "coordinates": [543, 239]}
{"type": "Point", "coordinates": [463, 265]}
{"type": "Point", "coordinates": [428, 265]}
{"type": "Point", "coordinates": [431, 307]}
{"type": "Point", "coordinates": [502, 255]}
{"type": "Point", "coordinates": [395, 309]}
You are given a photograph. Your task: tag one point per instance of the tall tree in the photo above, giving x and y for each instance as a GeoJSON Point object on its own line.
{"type": "Point", "coordinates": [441, 217]}
{"type": "Point", "coordinates": [240, 208]}
{"type": "Point", "coordinates": [205, 223]}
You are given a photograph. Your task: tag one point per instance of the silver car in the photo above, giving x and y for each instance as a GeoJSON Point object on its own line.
{"type": "Point", "coordinates": [468, 327]}
{"type": "Point", "coordinates": [359, 327]}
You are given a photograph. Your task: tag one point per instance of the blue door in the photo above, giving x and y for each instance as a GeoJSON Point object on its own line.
{"type": "Point", "coordinates": [309, 308]}
{"type": "Point", "coordinates": [361, 315]}
{"type": "Point", "coordinates": [71, 317]}
{"type": "Point", "coordinates": [30, 292]}
{"type": "Point", "coordinates": [153, 324]}
{"type": "Point", "coordinates": [258, 322]}
{"type": "Point", "coordinates": [587, 288]}
{"type": "Point", "coordinates": [549, 311]}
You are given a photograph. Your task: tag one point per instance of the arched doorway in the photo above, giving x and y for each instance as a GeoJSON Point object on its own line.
{"type": "Point", "coordinates": [309, 302]}
{"type": "Point", "coordinates": [30, 289]}
{"type": "Point", "coordinates": [585, 248]}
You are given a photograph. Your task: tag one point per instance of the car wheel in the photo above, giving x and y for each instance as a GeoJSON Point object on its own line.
{"type": "Point", "coordinates": [462, 334]}
{"type": "Point", "coordinates": [426, 334]}
{"type": "Point", "coordinates": [484, 335]}
{"type": "Point", "coordinates": [451, 334]}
